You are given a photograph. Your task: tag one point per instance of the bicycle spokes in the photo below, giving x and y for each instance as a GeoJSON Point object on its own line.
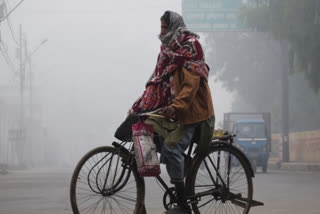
{"type": "Point", "coordinates": [222, 184]}
{"type": "Point", "coordinates": [102, 183]}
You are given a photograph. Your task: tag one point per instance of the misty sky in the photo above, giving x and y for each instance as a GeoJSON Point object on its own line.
{"type": "Point", "coordinates": [98, 57]}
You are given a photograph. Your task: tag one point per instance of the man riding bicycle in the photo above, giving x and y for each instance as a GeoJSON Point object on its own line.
{"type": "Point", "coordinates": [179, 88]}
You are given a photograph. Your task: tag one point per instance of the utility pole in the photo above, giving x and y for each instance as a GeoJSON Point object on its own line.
{"type": "Point", "coordinates": [24, 58]}
{"type": "Point", "coordinates": [28, 60]}
{"type": "Point", "coordinates": [21, 139]}
{"type": "Point", "coordinates": [31, 74]}
{"type": "Point", "coordinates": [285, 101]}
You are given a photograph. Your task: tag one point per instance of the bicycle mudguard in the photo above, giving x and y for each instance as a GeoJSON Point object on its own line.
{"type": "Point", "coordinates": [222, 143]}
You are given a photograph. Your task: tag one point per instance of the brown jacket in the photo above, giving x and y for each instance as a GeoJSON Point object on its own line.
{"type": "Point", "coordinates": [193, 102]}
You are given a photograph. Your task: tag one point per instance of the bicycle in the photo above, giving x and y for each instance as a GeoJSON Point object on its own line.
{"type": "Point", "coordinates": [220, 180]}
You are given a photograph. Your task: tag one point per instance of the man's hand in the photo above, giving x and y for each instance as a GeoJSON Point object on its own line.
{"type": "Point", "coordinates": [169, 112]}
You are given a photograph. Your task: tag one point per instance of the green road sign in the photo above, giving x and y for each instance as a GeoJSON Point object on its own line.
{"type": "Point", "coordinates": [213, 15]}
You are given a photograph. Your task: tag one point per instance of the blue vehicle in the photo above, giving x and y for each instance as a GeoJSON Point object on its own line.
{"type": "Point", "coordinates": [253, 136]}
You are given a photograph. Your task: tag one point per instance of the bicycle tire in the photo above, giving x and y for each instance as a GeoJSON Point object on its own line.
{"type": "Point", "coordinates": [97, 183]}
{"type": "Point", "coordinates": [199, 182]}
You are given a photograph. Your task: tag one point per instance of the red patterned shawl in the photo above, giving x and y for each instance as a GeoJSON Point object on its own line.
{"type": "Point", "coordinates": [185, 51]}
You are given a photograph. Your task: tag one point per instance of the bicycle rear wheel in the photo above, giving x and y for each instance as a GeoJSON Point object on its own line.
{"type": "Point", "coordinates": [103, 182]}
{"type": "Point", "coordinates": [212, 195]}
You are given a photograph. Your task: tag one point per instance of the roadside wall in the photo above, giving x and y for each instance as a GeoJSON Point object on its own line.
{"type": "Point", "coordinates": [304, 146]}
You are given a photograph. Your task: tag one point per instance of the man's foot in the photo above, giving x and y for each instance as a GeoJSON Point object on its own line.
{"type": "Point", "coordinates": [178, 210]}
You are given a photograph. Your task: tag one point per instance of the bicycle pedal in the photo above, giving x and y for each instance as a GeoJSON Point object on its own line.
{"type": "Point", "coordinates": [256, 203]}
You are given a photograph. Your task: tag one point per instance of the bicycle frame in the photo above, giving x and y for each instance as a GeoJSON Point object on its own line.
{"type": "Point", "coordinates": [218, 189]}
{"type": "Point", "coordinates": [108, 170]}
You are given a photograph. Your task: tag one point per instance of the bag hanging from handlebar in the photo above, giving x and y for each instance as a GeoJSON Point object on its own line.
{"type": "Point", "coordinates": [145, 150]}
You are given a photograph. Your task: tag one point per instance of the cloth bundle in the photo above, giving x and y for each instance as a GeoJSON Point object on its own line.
{"type": "Point", "coordinates": [124, 131]}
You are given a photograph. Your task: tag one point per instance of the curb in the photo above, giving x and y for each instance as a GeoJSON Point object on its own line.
{"type": "Point", "coordinates": [276, 164]}
{"type": "Point", "coordinates": [298, 166]}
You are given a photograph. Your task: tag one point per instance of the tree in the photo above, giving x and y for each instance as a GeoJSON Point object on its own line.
{"type": "Point", "coordinates": [250, 65]}
{"type": "Point", "coordinates": [297, 23]}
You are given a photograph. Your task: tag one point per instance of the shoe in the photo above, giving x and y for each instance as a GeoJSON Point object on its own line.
{"type": "Point", "coordinates": [178, 210]}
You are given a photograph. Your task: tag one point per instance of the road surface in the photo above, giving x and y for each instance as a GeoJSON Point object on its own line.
{"type": "Point", "coordinates": [45, 191]}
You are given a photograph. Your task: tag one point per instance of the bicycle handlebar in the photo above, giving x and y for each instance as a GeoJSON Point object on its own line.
{"type": "Point", "coordinates": [154, 114]}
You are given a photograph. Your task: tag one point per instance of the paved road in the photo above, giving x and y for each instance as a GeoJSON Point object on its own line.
{"type": "Point", "coordinates": [45, 191]}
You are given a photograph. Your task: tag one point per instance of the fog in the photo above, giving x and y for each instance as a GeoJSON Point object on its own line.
{"type": "Point", "coordinates": [97, 59]}
{"type": "Point", "coordinates": [86, 63]}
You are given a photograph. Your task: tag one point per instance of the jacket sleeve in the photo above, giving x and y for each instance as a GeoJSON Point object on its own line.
{"type": "Point", "coordinates": [189, 87]}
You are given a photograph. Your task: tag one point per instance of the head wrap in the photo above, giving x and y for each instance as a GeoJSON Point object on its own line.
{"type": "Point", "coordinates": [175, 29]}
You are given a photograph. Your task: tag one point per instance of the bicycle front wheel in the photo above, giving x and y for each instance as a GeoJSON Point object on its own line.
{"type": "Point", "coordinates": [103, 182]}
{"type": "Point", "coordinates": [221, 182]}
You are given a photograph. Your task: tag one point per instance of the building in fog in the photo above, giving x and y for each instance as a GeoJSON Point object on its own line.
{"type": "Point", "coordinates": [24, 142]}
{"type": "Point", "coordinates": [9, 124]}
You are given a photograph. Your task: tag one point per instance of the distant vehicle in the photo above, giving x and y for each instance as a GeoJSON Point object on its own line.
{"type": "Point", "coordinates": [253, 136]}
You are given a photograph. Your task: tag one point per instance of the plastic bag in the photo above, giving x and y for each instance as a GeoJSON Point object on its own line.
{"type": "Point", "coordinates": [145, 150]}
